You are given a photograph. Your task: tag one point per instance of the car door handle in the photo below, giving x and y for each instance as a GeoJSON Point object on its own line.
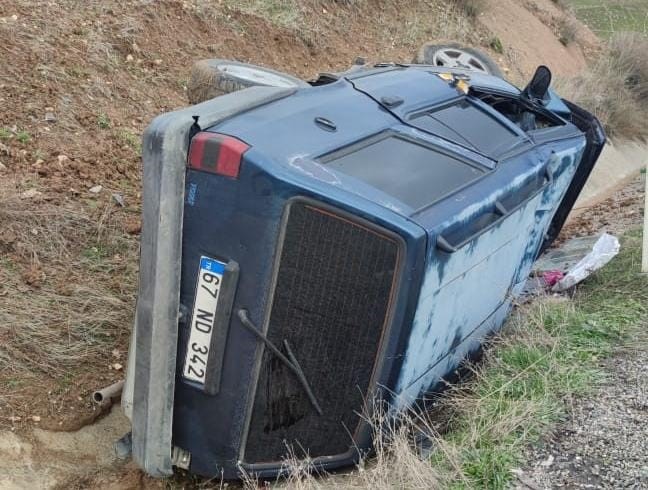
{"type": "Point", "coordinates": [503, 207]}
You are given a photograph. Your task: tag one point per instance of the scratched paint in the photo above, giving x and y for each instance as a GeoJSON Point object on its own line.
{"type": "Point", "coordinates": [472, 295]}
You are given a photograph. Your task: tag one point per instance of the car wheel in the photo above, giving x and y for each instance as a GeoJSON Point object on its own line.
{"type": "Point", "coordinates": [454, 55]}
{"type": "Point", "coordinates": [211, 78]}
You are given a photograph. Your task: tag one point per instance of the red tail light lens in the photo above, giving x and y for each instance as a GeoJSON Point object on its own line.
{"type": "Point", "coordinates": [217, 153]}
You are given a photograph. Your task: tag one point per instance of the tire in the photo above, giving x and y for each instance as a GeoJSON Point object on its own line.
{"type": "Point", "coordinates": [454, 55]}
{"type": "Point", "coordinates": [211, 78]}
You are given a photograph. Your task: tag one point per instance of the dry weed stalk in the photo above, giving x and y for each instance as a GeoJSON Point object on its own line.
{"type": "Point", "coordinates": [73, 299]}
{"type": "Point", "coordinates": [615, 87]}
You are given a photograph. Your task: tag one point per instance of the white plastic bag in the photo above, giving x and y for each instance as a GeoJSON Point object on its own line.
{"type": "Point", "coordinates": [602, 252]}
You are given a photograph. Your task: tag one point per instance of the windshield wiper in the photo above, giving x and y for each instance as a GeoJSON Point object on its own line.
{"type": "Point", "coordinates": [291, 363]}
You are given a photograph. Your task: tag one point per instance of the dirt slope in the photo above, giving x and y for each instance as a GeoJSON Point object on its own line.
{"type": "Point", "coordinates": [530, 31]}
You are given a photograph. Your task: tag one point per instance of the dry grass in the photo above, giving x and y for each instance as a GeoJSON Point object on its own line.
{"type": "Point", "coordinates": [68, 278]}
{"type": "Point", "coordinates": [400, 456]}
{"type": "Point", "coordinates": [567, 31]}
{"type": "Point", "coordinates": [615, 87]}
{"type": "Point", "coordinates": [314, 21]}
{"type": "Point", "coordinates": [471, 8]}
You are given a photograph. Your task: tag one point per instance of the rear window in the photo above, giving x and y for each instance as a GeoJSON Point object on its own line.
{"type": "Point", "coordinates": [467, 125]}
{"type": "Point", "coordinates": [412, 173]}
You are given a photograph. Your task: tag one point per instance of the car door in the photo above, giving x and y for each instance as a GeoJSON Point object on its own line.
{"type": "Point", "coordinates": [482, 239]}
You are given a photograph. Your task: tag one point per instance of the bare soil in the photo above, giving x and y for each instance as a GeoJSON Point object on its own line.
{"type": "Point", "coordinates": [619, 213]}
{"type": "Point", "coordinates": [530, 32]}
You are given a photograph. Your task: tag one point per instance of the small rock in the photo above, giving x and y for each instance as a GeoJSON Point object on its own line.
{"type": "Point", "coordinates": [50, 117]}
{"type": "Point", "coordinates": [30, 194]}
{"type": "Point", "coordinates": [116, 366]}
{"type": "Point", "coordinates": [15, 418]}
{"type": "Point", "coordinates": [36, 418]}
{"type": "Point", "coordinates": [158, 62]}
{"type": "Point", "coordinates": [95, 189]}
{"type": "Point", "coordinates": [548, 462]}
{"type": "Point", "coordinates": [129, 58]}
{"type": "Point", "coordinates": [133, 227]}
{"type": "Point", "coordinates": [119, 199]}
{"type": "Point", "coordinates": [62, 159]}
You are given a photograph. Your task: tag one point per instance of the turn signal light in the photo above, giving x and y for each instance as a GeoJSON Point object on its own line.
{"type": "Point", "coordinates": [217, 153]}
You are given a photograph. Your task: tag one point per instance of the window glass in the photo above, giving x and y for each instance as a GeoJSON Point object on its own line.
{"type": "Point", "coordinates": [413, 173]}
{"type": "Point", "coordinates": [479, 129]}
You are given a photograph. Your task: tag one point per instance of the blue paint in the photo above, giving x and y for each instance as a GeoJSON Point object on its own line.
{"type": "Point", "coordinates": [444, 304]}
{"type": "Point", "coordinates": [192, 192]}
{"type": "Point", "coordinates": [481, 278]}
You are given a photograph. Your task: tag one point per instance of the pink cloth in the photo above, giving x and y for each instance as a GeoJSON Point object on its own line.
{"type": "Point", "coordinates": [552, 277]}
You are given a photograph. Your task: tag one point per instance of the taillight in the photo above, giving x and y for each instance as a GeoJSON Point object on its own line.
{"type": "Point", "coordinates": [217, 153]}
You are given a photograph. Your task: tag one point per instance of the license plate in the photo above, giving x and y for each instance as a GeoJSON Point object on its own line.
{"type": "Point", "coordinates": [208, 292]}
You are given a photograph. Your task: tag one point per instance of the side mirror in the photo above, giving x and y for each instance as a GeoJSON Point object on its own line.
{"type": "Point", "coordinates": [538, 88]}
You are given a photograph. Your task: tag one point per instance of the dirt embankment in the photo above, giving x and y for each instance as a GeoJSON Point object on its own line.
{"type": "Point", "coordinates": [531, 32]}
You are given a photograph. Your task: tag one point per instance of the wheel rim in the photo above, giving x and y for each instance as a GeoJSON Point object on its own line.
{"type": "Point", "coordinates": [458, 58]}
{"type": "Point", "coordinates": [256, 76]}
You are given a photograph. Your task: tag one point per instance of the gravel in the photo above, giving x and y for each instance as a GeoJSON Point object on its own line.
{"type": "Point", "coordinates": [605, 442]}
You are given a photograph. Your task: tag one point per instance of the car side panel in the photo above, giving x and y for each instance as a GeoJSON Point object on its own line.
{"type": "Point", "coordinates": [465, 294]}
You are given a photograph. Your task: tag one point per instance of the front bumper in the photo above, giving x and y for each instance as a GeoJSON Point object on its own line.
{"type": "Point", "coordinates": [149, 392]}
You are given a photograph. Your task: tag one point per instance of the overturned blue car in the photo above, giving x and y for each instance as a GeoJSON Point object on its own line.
{"type": "Point", "coordinates": [307, 248]}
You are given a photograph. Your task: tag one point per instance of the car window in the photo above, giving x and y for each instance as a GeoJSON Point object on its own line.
{"type": "Point", "coordinates": [411, 172]}
{"type": "Point", "coordinates": [467, 125]}
{"type": "Point", "coordinates": [522, 114]}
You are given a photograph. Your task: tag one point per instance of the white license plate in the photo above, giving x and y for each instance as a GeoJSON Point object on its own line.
{"type": "Point", "coordinates": [210, 279]}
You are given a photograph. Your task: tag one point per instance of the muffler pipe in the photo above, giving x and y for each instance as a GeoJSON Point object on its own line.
{"type": "Point", "coordinates": [109, 392]}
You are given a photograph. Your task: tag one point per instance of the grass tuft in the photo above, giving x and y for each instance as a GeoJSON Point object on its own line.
{"type": "Point", "coordinates": [5, 134]}
{"type": "Point", "coordinates": [567, 31]}
{"type": "Point", "coordinates": [23, 136]}
{"type": "Point", "coordinates": [103, 121]}
{"type": "Point", "coordinates": [496, 45]}
{"type": "Point", "coordinates": [471, 8]}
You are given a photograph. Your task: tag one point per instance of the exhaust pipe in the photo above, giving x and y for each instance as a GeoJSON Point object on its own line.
{"type": "Point", "coordinates": [108, 393]}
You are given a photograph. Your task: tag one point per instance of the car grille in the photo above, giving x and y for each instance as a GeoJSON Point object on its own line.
{"type": "Point", "coordinates": [334, 282]}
